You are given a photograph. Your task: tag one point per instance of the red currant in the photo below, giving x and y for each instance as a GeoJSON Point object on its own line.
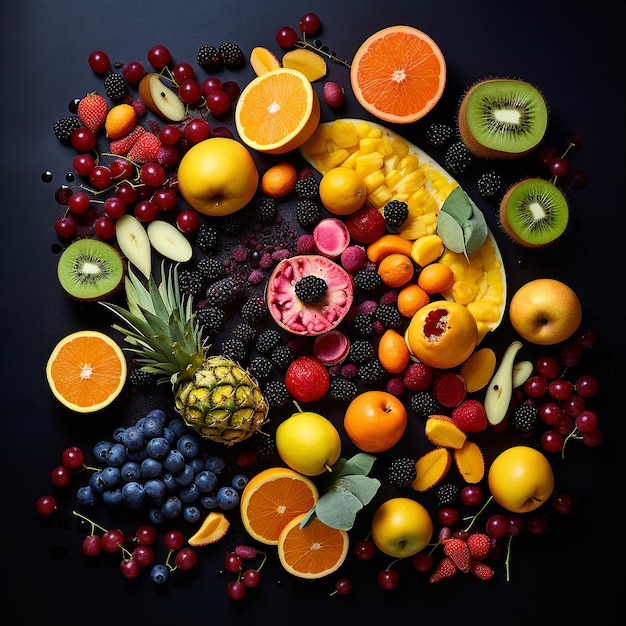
{"type": "Point", "coordinates": [61, 476]}
{"type": "Point", "coordinates": [45, 505]}
{"type": "Point", "coordinates": [73, 457]}
{"type": "Point", "coordinates": [130, 568]}
{"type": "Point", "coordinates": [112, 540]}
{"type": "Point", "coordinates": [92, 545]}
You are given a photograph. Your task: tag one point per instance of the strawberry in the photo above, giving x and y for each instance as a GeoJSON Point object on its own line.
{"type": "Point", "coordinates": [481, 570]}
{"type": "Point", "coordinates": [145, 149]}
{"type": "Point", "coordinates": [479, 546]}
{"type": "Point", "coordinates": [445, 569]}
{"type": "Point", "coordinates": [92, 111]}
{"type": "Point", "coordinates": [366, 225]}
{"type": "Point", "coordinates": [458, 552]}
{"type": "Point", "coordinates": [307, 379]}
{"type": "Point", "coordinates": [122, 146]}
{"type": "Point", "coordinates": [470, 416]}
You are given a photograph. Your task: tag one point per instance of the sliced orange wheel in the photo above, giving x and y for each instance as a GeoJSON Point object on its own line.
{"type": "Point", "coordinates": [86, 371]}
{"type": "Point", "coordinates": [314, 551]}
{"type": "Point", "coordinates": [277, 111]}
{"type": "Point", "coordinates": [272, 498]}
{"type": "Point", "coordinates": [398, 74]}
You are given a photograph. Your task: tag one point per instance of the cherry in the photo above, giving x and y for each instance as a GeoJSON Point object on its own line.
{"type": "Point", "coordinates": [236, 589]}
{"type": "Point", "coordinates": [83, 164]}
{"type": "Point", "coordinates": [145, 211]}
{"type": "Point", "coordinates": [145, 535]}
{"type": "Point", "coordinates": [364, 550]}
{"type": "Point", "coordinates": [190, 91]}
{"type": "Point", "coordinates": [232, 89]}
{"type": "Point", "coordinates": [547, 154]}
{"type": "Point", "coordinates": [422, 561]}
{"type": "Point", "coordinates": [232, 562]}
{"type": "Point", "coordinates": [170, 134]}
{"type": "Point", "coordinates": [120, 169]}
{"type": "Point", "coordinates": [559, 167]}
{"type": "Point", "coordinates": [126, 193]}
{"type": "Point", "coordinates": [100, 177]}
{"type": "Point", "coordinates": [112, 540]}
{"type": "Point", "coordinates": [83, 140]}
{"type": "Point", "coordinates": [286, 37]}
{"type": "Point", "coordinates": [497, 526]}
{"type": "Point", "coordinates": [130, 568]}
{"type": "Point", "coordinates": [152, 174]}
{"type": "Point", "coordinates": [593, 438]}
{"type": "Point", "coordinates": [164, 198]}
{"type": "Point", "coordinates": [448, 516]}
{"type": "Point", "coordinates": [182, 72]}
{"type": "Point", "coordinates": [197, 130]}
{"type": "Point", "coordinates": [46, 505]}
{"type": "Point", "coordinates": [187, 221]}
{"type": "Point", "coordinates": [99, 62]}
{"type": "Point", "coordinates": [471, 495]}
{"type": "Point", "coordinates": [211, 83]}
{"type": "Point", "coordinates": [173, 539]}
{"type": "Point", "coordinates": [309, 23]}
{"type": "Point", "coordinates": [61, 476]}
{"type": "Point", "coordinates": [537, 525]}
{"type": "Point", "coordinates": [104, 227]}
{"type": "Point", "coordinates": [251, 577]}
{"type": "Point", "coordinates": [562, 502]}
{"type": "Point", "coordinates": [186, 558]}
{"type": "Point", "coordinates": [388, 579]}
{"type": "Point", "coordinates": [144, 555]}
{"type": "Point", "coordinates": [65, 226]}
{"type": "Point", "coordinates": [548, 367]}
{"type": "Point", "coordinates": [133, 72]}
{"type": "Point", "coordinates": [218, 102]}
{"type": "Point", "coordinates": [92, 545]}
{"type": "Point", "coordinates": [114, 207]}
{"type": "Point", "coordinates": [343, 586]}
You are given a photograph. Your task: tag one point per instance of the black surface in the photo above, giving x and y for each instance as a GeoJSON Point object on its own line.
{"type": "Point", "coordinates": [567, 49]}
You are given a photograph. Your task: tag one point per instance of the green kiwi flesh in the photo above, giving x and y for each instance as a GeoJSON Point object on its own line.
{"type": "Point", "coordinates": [534, 212]}
{"type": "Point", "coordinates": [90, 270]}
{"type": "Point", "coordinates": [502, 118]}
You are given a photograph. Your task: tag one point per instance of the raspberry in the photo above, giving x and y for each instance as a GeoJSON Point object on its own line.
{"type": "Point", "coordinates": [418, 377]}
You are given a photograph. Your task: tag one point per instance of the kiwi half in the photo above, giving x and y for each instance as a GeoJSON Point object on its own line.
{"type": "Point", "coordinates": [534, 212]}
{"type": "Point", "coordinates": [90, 270]}
{"type": "Point", "coordinates": [502, 118]}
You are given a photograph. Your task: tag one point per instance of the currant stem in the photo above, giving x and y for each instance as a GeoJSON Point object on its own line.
{"type": "Point", "coordinates": [303, 43]}
{"type": "Point", "coordinates": [90, 522]}
{"type": "Point", "coordinates": [507, 561]}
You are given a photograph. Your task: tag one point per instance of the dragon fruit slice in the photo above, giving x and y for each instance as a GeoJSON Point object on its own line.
{"type": "Point", "coordinates": [309, 294]}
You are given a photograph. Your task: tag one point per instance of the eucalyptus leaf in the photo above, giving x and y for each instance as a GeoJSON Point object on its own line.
{"type": "Point", "coordinates": [363, 487]}
{"type": "Point", "coordinates": [451, 232]}
{"type": "Point", "coordinates": [361, 463]}
{"type": "Point", "coordinates": [338, 509]}
{"type": "Point", "coordinates": [475, 231]}
{"type": "Point", "coordinates": [458, 205]}
{"type": "Point", "coordinates": [307, 519]}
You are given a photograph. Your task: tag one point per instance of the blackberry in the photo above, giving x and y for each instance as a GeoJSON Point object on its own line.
{"type": "Point", "coordinates": [276, 393]}
{"type": "Point", "coordinates": [211, 268]}
{"type": "Point", "coordinates": [206, 238]}
{"type": "Point", "coordinates": [396, 213]}
{"type": "Point", "coordinates": [446, 494]}
{"type": "Point", "coordinates": [64, 127]}
{"type": "Point", "coordinates": [267, 340]}
{"type": "Point", "coordinates": [457, 157]}
{"type": "Point", "coordinates": [401, 472]}
{"type": "Point", "coordinates": [311, 288]}
{"type": "Point", "coordinates": [260, 367]}
{"type": "Point", "coordinates": [281, 356]}
{"type": "Point", "coordinates": [437, 134]}
{"type": "Point", "coordinates": [245, 333]}
{"type": "Point", "coordinates": [139, 378]}
{"type": "Point", "coordinates": [361, 351]}
{"type": "Point", "coordinates": [115, 86]}
{"type": "Point", "coordinates": [209, 57]}
{"type": "Point", "coordinates": [190, 282]}
{"type": "Point", "coordinates": [307, 213]}
{"type": "Point", "coordinates": [371, 372]}
{"type": "Point", "coordinates": [232, 56]}
{"type": "Point", "coordinates": [226, 293]}
{"type": "Point", "coordinates": [265, 209]}
{"type": "Point", "coordinates": [263, 445]}
{"type": "Point", "coordinates": [254, 310]}
{"type": "Point", "coordinates": [307, 187]}
{"type": "Point", "coordinates": [525, 417]}
{"type": "Point", "coordinates": [342, 388]}
{"type": "Point", "coordinates": [211, 317]}
{"type": "Point", "coordinates": [489, 184]}
{"type": "Point", "coordinates": [363, 324]}
{"type": "Point", "coordinates": [424, 404]}
{"type": "Point", "coordinates": [388, 315]}
{"type": "Point", "coordinates": [234, 349]}
{"type": "Point", "coordinates": [368, 280]}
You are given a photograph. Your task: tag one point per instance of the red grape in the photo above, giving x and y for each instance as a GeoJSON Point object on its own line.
{"type": "Point", "coordinates": [286, 37]}
{"type": "Point", "coordinates": [159, 57]}
{"type": "Point", "coordinates": [99, 62]}
{"type": "Point", "coordinates": [187, 221]}
{"type": "Point", "coordinates": [45, 505]}
{"type": "Point", "coordinates": [309, 23]}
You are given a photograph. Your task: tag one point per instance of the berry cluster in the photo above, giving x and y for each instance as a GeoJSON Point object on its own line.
{"type": "Point", "coordinates": [247, 577]}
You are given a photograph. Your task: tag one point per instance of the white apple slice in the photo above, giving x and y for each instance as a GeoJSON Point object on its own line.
{"type": "Point", "coordinates": [500, 389]}
{"type": "Point", "coordinates": [168, 241]}
{"type": "Point", "coordinates": [160, 99]}
{"type": "Point", "coordinates": [521, 373]}
{"type": "Point", "coordinates": [134, 243]}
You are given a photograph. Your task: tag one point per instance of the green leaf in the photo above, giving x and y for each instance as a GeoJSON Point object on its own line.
{"type": "Point", "coordinates": [360, 463]}
{"type": "Point", "coordinates": [307, 519]}
{"type": "Point", "coordinates": [458, 205]}
{"type": "Point", "coordinates": [338, 509]}
{"type": "Point", "coordinates": [451, 232]}
{"type": "Point", "coordinates": [363, 487]}
{"type": "Point", "coordinates": [475, 231]}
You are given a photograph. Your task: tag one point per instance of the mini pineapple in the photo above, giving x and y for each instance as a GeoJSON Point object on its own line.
{"type": "Point", "coordinates": [213, 394]}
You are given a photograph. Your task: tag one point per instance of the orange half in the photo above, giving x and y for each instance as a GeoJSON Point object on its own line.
{"type": "Point", "coordinates": [86, 371]}
{"type": "Point", "coordinates": [398, 74]}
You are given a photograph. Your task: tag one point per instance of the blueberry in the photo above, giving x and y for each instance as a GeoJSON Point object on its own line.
{"type": "Point", "coordinates": [215, 464]}
{"type": "Point", "coordinates": [172, 507]}
{"type": "Point", "coordinates": [133, 494]}
{"type": "Point", "coordinates": [178, 427]}
{"type": "Point", "coordinates": [189, 445]}
{"type": "Point", "coordinates": [137, 455]}
{"type": "Point", "coordinates": [239, 481]}
{"type": "Point", "coordinates": [152, 426]}
{"type": "Point", "coordinates": [117, 434]}
{"type": "Point", "coordinates": [185, 476]}
{"type": "Point", "coordinates": [155, 516]}
{"type": "Point", "coordinates": [96, 483]}
{"type": "Point", "coordinates": [205, 481]}
{"type": "Point", "coordinates": [85, 496]}
{"type": "Point", "coordinates": [101, 450]}
{"type": "Point", "coordinates": [133, 437]}
{"type": "Point", "coordinates": [116, 455]}
{"type": "Point", "coordinates": [155, 488]}
{"type": "Point", "coordinates": [151, 468]}
{"type": "Point", "coordinates": [157, 414]}
{"type": "Point", "coordinates": [197, 464]}
{"type": "Point", "coordinates": [227, 498]}
{"type": "Point", "coordinates": [111, 476]}
{"type": "Point", "coordinates": [158, 448]}
{"type": "Point", "coordinates": [191, 514]}
{"type": "Point", "coordinates": [189, 493]}
{"type": "Point", "coordinates": [131, 471]}
{"type": "Point", "coordinates": [112, 497]}
{"type": "Point", "coordinates": [209, 502]}
{"type": "Point", "coordinates": [170, 435]}
{"type": "Point", "coordinates": [170, 482]}
{"type": "Point", "coordinates": [159, 573]}
{"type": "Point", "coordinates": [174, 461]}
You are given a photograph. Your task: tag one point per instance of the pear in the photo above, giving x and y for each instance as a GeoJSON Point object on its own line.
{"type": "Point", "coordinates": [133, 241]}
{"type": "Point", "coordinates": [500, 389]}
{"type": "Point", "coordinates": [521, 372]}
{"type": "Point", "coordinates": [161, 100]}
{"type": "Point", "coordinates": [168, 241]}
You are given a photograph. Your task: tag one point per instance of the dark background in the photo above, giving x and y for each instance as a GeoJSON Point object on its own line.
{"type": "Point", "coordinates": [568, 49]}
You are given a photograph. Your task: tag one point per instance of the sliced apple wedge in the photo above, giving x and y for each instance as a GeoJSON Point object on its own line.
{"type": "Point", "coordinates": [133, 241]}
{"type": "Point", "coordinates": [500, 390]}
{"type": "Point", "coordinates": [168, 241]}
{"type": "Point", "coordinates": [263, 60]}
{"type": "Point", "coordinates": [161, 100]}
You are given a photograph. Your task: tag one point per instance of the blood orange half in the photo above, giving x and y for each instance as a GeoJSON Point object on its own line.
{"type": "Point", "coordinates": [398, 74]}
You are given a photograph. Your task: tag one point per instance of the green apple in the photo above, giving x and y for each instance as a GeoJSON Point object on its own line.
{"type": "Point", "coordinates": [308, 443]}
{"type": "Point", "coordinates": [520, 479]}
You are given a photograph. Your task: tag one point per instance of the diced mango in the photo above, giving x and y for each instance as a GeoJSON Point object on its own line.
{"type": "Point", "coordinates": [369, 144]}
{"type": "Point", "coordinates": [379, 197]}
{"type": "Point", "coordinates": [464, 292]}
{"type": "Point", "coordinates": [374, 180]}
{"type": "Point", "coordinates": [392, 178]}
{"type": "Point", "coordinates": [362, 129]}
{"type": "Point", "coordinates": [400, 147]}
{"type": "Point", "coordinates": [351, 160]}
{"type": "Point", "coordinates": [344, 133]}
{"type": "Point", "coordinates": [408, 163]}
{"type": "Point", "coordinates": [390, 163]}
{"type": "Point", "coordinates": [375, 132]}
{"type": "Point", "coordinates": [411, 182]}
{"type": "Point", "coordinates": [427, 249]}
{"type": "Point", "coordinates": [368, 163]}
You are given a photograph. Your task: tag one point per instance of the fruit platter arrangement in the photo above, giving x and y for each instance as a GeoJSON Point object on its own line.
{"type": "Point", "coordinates": [297, 317]}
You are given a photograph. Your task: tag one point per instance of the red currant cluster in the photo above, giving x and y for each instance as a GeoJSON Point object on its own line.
{"type": "Point", "coordinates": [556, 162]}
{"type": "Point", "coordinates": [247, 577]}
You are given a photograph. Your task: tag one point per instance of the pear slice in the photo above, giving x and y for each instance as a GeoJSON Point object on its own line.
{"type": "Point", "coordinates": [161, 100]}
{"type": "Point", "coordinates": [500, 389]}
{"type": "Point", "coordinates": [521, 373]}
{"type": "Point", "coordinates": [133, 241]}
{"type": "Point", "coordinates": [167, 240]}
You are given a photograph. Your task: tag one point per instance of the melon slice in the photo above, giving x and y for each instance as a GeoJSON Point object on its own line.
{"type": "Point", "coordinates": [430, 468]}
{"type": "Point", "coordinates": [470, 462]}
{"type": "Point", "coordinates": [442, 431]}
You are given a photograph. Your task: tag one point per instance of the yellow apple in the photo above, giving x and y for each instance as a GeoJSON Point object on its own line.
{"type": "Point", "coordinates": [218, 176]}
{"type": "Point", "coordinates": [401, 527]}
{"type": "Point", "coordinates": [308, 443]}
{"type": "Point", "coordinates": [545, 311]}
{"type": "Point", "coordinates": [161, 100]}
{"type": "Point", "coordinates": [520, 479]}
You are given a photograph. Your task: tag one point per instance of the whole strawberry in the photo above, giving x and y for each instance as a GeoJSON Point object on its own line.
{"type": "Point", "coordinates": [479, 545]}
{"type": "Point", "coordinates": [458, 551]}
{"type": "Point", "coordinates": [445, 569]}
{"type": "Point", "coordinates": [92, 111]}
{"type": "Point", "coordinates": [307, 379]}
{"type": "Point", "coordinates": [145, 149]}
{"type": "Point", "coordinates": [470, 416]}
{"type": "Point", "coordinates": [122, 146]}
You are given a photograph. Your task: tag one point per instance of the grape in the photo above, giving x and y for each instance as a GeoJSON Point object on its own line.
{"type": "Point", "coordinates": [592, 438]}
{"type": "Point", "coordinates": [586, 385]}
{"type": "Point", "coordinates": [471, 495]}
{"type": "Point", "coordinates": [186, 558]}
{"type": "Point", "coordinates": [560, 389]}
{"type": "Point", "coordinates": [159, 57]}
{"type": "Point", "coordinates": [537, 525]}
{"type": "Point", "coordinates": [99, 62]}
{"type": "Point", "coordinates": [145, 211]}
{"type": "Point", "coordinates": [552, 441]}
{"type": "Point", "coordinates": [92, 545]}
{"type": "Point", "coordinates": [152, 174]}
{"type": "Point", "coordinates": [190, 91]}
{"type": "Point", "coordinates": [173, 539]}
{"type": "Point", "coordinates": [564, 425]}
{"type": "Point", "coordinates": [573, 405]}
{"type": "Point", "coordinates": [112, 540]}
{"type": "Point", "coordinates": [251, 577]}
{"type": "Point", "coordinates": [586, 421]}
{"type": "Point", "coordinates": [196, 130]}
{"type": "Point", "coordinates": [535, 386]}
{"type": "Point", "coordinates": [343, 586]}
{"type": "Point", "coordinates": [183, 71]}
{"type": "Point", "coordinates": [236, 590]}
{"type": "Point", "coordinates": [548, 367]}
{"type": "Point", "coordinates": [309, 23]}
{"type": "Point", "coordinates": [286, 37]}
{"type": "Point", "coordinates": [211, 83]}
{"type": "Point", "coordinates": [550, 413]}
{"type": "Point", "coordinates": [232, 562]}
{"type": "Point", "coordinates": [497, 526]}
{"type": "Point", "coordinates": [218, 102]}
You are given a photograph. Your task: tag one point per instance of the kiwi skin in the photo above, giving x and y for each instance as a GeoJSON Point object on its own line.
{"type": "Point", "coordinates": [97, 286]}
{"type": "Point", "coordinates": [478, 148]}
{"type": "Point", "coordinates": [516, 226]}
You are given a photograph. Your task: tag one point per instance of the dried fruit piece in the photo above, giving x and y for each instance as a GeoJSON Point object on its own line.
{"type": "Point", "coordinates": [213, 528]}
{"type": "Point", "coordinates": [440, 430]}
{"type": "Point", "coordinates": [470, 462]}
{"type": "Point", "coordinates": [430, 468]}
{"type": "Point", "coordinates": [478, 370]}
{"type": "Point", "coordinates": [386, 245]}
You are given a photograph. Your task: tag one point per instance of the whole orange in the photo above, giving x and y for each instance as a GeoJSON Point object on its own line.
{"type": "Point", "coordinates": [375, 421]}
{"type": "Point", "coordinates": [442, 334]}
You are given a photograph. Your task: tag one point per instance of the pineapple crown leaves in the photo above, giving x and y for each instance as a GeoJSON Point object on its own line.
{"type": "Point", "coordinates": [350, 490]}
{"type": "Point", "coordinates": [161, 327]}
